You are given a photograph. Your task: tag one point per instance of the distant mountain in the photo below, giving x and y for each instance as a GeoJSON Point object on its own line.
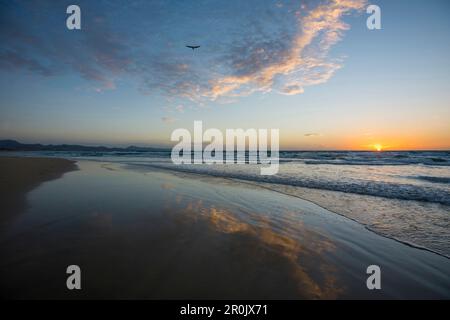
{"type": "Point", "coordinates": [12, 145]}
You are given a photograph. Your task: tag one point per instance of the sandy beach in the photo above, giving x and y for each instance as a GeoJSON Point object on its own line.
{"type": "Point", "coordinates": [140, 233]}
{"type": "Point", "coordinates": [20, 175]}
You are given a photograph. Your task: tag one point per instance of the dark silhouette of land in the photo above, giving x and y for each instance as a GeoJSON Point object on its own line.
{"type": "Point", "coordinates": [13, 145]}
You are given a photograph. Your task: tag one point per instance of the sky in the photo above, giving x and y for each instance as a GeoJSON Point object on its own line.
{"type": "Point", "coordinates": [312, 69]}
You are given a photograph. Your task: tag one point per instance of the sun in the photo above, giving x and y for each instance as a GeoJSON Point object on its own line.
{"type": "Point", "coordinates": [378, 147]}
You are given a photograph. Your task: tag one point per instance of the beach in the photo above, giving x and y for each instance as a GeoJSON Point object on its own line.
{"type": "Point", "coordinates": [20, 175]}
{"type": "Point", "coordinates": [225, 150]}
{"type": "Point", "coordinates": [146, 233]}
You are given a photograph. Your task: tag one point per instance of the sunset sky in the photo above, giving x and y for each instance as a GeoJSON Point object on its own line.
{"type": "Point", "coordinates": [310, 68]}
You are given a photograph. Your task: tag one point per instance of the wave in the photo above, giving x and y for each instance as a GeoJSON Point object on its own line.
{"type": "Point", "coordinates": [432, 158]}
{"type": "Point", "coordinates": [445, 180]}
{"type": "Point", "coordinates": [359, 158]}
{"type": "Point", "coordinates": [363, 187]}
{"type": "Point", "coordinates": [404, 175]}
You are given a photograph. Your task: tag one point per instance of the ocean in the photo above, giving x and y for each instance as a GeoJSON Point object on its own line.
{"type": "Point", "coordinates": [402, 195]}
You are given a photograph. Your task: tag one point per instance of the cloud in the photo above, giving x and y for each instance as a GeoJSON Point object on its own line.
{"type": "Point", "coordinates": [292, 89]}
{"type": "Point", "coordinates": [180, 108]}
{"type": "Point", "coordinates": [312, 135]}
{"type": "Point", "coordinates": [302, 64]}
{"type": "Point", "coordinates": [10, 60]}
{"type": "Point", "coordinates": [96, 53]}
{"type": "Point", "coordinates": [262, 47]}
{"type": "Point", "coordinates": [168, 120]}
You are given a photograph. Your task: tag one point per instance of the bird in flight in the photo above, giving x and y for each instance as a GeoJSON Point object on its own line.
{"type": "Point", "coordinates": [193, 47]}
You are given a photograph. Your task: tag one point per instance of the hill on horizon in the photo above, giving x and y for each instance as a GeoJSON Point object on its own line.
{"type": "Point", "coordinates": [13, 145]}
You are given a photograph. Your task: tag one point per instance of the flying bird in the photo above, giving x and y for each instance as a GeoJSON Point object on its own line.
{"type": "Point", "coordinates": [193, 47]}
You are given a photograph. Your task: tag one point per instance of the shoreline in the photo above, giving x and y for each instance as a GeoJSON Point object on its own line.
{"type": "Point", "coordinates": [368, 227]}
{"type": "Point", "coordinates": [178, 236]}
{"type": "Point", "coordinates": [313, 195]}
{"type": "Point", "coordinates": [20, 175]}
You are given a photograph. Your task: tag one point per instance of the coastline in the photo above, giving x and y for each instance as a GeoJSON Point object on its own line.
{"type": "Point", "coordinates": [314, 196]}
{"type": "Point", "coordinates": [19, 175]}
{"type": "Point", "coordinates": [421, 224]}
{"type": "Point", "coordinates": [172, 236]}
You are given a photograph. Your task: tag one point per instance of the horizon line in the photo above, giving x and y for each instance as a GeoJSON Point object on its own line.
{"type": "Point", "coordinates": [139, 145]}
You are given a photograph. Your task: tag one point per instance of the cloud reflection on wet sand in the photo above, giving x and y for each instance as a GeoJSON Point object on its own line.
{"type": "Point", "coordinates": [159, 238]}
{"type": "Point", "coordinates": [298, 250]}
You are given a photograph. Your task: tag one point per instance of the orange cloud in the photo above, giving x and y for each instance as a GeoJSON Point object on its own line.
{"type": "Point", "coordinates": [304, 63]}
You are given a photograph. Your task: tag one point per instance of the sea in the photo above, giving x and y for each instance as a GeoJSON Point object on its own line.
{"type": "Point", "coordinates": [403, 195]}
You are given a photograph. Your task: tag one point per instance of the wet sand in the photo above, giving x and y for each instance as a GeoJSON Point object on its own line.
{"type": "Point", "coordinates": [147, 234]}
{"type": "Point", "coordinates": [20, 175]}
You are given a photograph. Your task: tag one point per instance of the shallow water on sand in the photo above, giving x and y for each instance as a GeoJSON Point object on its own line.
{"type": "Point", "coordinates": [137, 233]}
{"type": "Point", "coordinates": [403, 195]}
